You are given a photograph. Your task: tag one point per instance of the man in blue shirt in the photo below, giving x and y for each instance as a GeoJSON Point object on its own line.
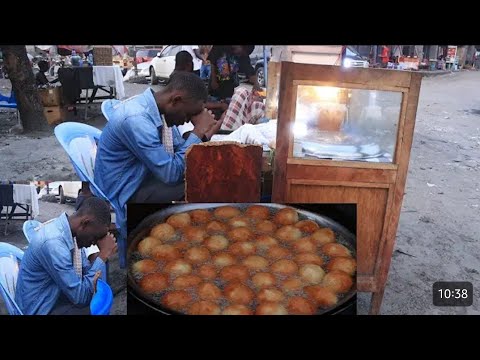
{"type": "Point", "coordinates": [55, 276]}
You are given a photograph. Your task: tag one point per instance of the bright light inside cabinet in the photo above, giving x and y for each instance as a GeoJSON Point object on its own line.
{"type": "Point", "coordinates": [299, 129]}
{"type": "Point", "coordinates": [327, 93]}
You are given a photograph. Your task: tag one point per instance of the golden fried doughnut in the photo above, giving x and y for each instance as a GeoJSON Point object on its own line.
{"type": "Point", "coordinates": [146, 246]}
{"type": "Point", "coordinates": [226, 212]}
{"type": "Point", "coordinates": [216, 242]}
{"type": "Point", "coordinates": [323, 236]}
{"type": "Point", "coordinates": [240, 234]}
{"type": "Point", "coordinates": [224, 259]}
{"type": "Point", "coordinates": [144, 266]}
{"type": "Point", "coordinates": [277, 252]}
{"type": "Point", "coordinates": [207, 272]}
{"type": "Point", "coordinates": [321, 296]}
{"type": "Point", "coordinates": [176, 300]}
{"type": "Point", "coordinates": [262, 280]}
{"type": "Point", "coordinates": [153, 283]}
{"type": "Point", "coordinates": [234, 272]}
{"type": "Point", "coordinates": [239, 221]}
{"type": "Point", "coordinates": [200, 216]}
{"type": "Point", "coordinates": [258, 212]}
{"type": "Point", "coordinates": [284, 266]}
{"type": "Point", "coordinates": [242, 248]}
{"type": "Point", "coordinates": [292, 285]}
{"type": "Point", "coordinates": [204, 308]}
{"type": "Point", "coordinates": [197, 255]}
{"type": "Point", "coordinates": [194, 234]}
{"type": "Point", "coordinates": [270, 294]}
{"type": "Point", "coordinates": [215, 227]}
{"type": "Point", "coordinates": [308, 258]}
{"type": "Point", "coordinates": [304, 245]}
{"type": "Point", "coordinates": [345, 264]}
{"type": "Point", "coordinates": [264, 242]}
{"type": "Point", "coordinates": [266, 227]}
{"type": "Point", "coordinates": [307, 226]}
{"type": "Point", "coordinates": [237, 293]}
{"type": "Point", "coordinates": [180, 220]}
{"type": "Point", "coordinates": [311, 274]}
{"type": "Point", "coordinates": [288, 233]}
{"type": "Point", "coordinates": [186, 281]}
{"type": "Point", "coordinates": [286, 216]}
{"type": "Point", "coordinates": [237, 310]}
{"type": "Point", "coordinates": [334, 250]}
{"type": "Point", "coordinates": [255, 262]}
{"type": "Point", "coordinates": [163, 232]}
{"type": "Point", "coordinates": [178, 267]}
{"type": "Point", "coordinates": [337, 281]}
{"type": "Point", "coordinates": [209, 291]}
{"type": "Point", "coordinates": [165, 252]}
{"type": "Point", "coordinates": [300, 306]}
{"type": "Point", "coordinates": [271, 308]}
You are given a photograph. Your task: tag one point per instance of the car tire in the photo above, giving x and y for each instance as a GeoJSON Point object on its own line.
{"type": "Point", "coordinates": [260, 76]}
{"type": "Point", "coordinates": [153, 77]}
{"type": "Point", "coordinates": [63, 199]}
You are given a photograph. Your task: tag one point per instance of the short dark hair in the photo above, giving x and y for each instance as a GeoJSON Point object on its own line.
{"type": "Point", "coordinates": [43, 65]}
{"type": "Point", "coordinates": [188, 82]}
{"type": "Point", "coordinates": [96, 207]}
{"type": "Point", "coordinates": [182, 59]}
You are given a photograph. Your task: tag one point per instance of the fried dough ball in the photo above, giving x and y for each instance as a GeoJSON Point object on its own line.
{"type": "Point", "coordinates": [270, 294]}
{"type": "Point", "coordinates": [146, 246]}
{"type": "Point", "coordinates": [255, 262]}
{"type": "Point", "coordinates": [300, 306]}
{"type": "Point", "coordinates": [186, 281]}
{"type": "Point", "coordinates": [277, 252]}
{"type": "Point", "coordinates": [200, 216]}
{"type": "Point", "coordinates": [239, 221]}
{"type": "Point", "coordinates": [144, 266]}
{"type": "Point", "coordinates": [288, 233]}
{"type": "Point", "coordinates": [240, 234]}
{"type": "Point", "coordinates": [226, 212]}
{"type": "Point", "coordinates": [209, 291]}
{"type": "Point", "coordinates": [237, 293]}
{"type": "Point", "coordinates": [258, 212]}
{"type": "Point", "coordinates": [321, 296]}
{"type": "Point", "coordinates": [179, 221]}
{"type": "Point", "coordinates": [266, 227]}
{"type": "Point", "coordinates": [237, 310]}
{"type": "Point", "coordinates": [265, 241]}
{"type": "Point", "coordinates": [153, 283]}
{"type": "Point", "coordinates": [337, 281]}
{"type": "Point", "coordinates": [224, 259]}
{"type": "Point", "coordinates": [165, 252]}
{"type": "Point", "coordinates": [304, 245]}
{"type": "Point", "coordinates": [345, 264]}
{"type": "Point", "coordinates": [181, 245]}
{"type": "Point", "coordinates": [216, 242]}
{"type": "Point", "coordinates": [307, 226]}
{"type": "Point", "coordinates": [263, 280]}
{"type": "Point", "coordinates": [197, 255]}
{"type": "Point", "coordinates": [194, 234]}
{"type": "Point", "coordinates": [234, 272]}
{"type": "Point", "coordinates": [208, 272]}
{"type": "Point", "coordinates": [308, 258]}
{"type": "Point", "coordinates": [271, 308]}
{"type": "Point", "coordinates": [204, 308]}
{"type": "Point", "coordinates": [291, 285]}
{"type": "Point", "coordinates": [242, 248]}
{"type": "Point", "coordinates": [312, 274]}
{"type": "Point", "coordinates": [176, 300]}
{"type": "Point", "coordinates": [178, 267]}
{"type": "Point", "coordinates": [286, 216]}
{"type": "Point", "coordinates": [163, 232]}
{"type": "Point", "coordinates": [334, 250]}
{"type": "Point", "coordinates": [323, 236]}
{"type": "Point", "coordinates": [284, 266]}
{"type": "Point", "coordinates": [215, 227]}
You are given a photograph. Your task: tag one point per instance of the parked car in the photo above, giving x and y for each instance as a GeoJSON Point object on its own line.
{"type": "Point", "coordinates": [145, 55]}
{"type": "Point", "coordinates": [351, 58]}
{"type": "Point", "coordinates": [63, 189]}
{"type": "Point", "coordinates": [163, 64]}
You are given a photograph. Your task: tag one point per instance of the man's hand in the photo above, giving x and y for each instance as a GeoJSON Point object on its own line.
{"type": "Point", "coordinates": [107, 246]}
{"type": "Point", "coordinates": [202, 123]}
{"type": "Point", "coordinates": [214, 129]}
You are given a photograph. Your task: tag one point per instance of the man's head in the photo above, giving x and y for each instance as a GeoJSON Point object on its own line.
{"type": "Point", "coordinates": [183, 61]}
{"type": "Point", "coordinates": [43, 66]}
{"type": "Point", "coordinates": [242, 50]}
{"type": "Point", "coordinates": [90, 222]}
{"type": "Point", "coordinates": [183, 97]}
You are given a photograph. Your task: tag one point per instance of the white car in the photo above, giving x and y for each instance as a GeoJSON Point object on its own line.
{"type": "Point", "coordinates": [163, 64]}
{"type": "Point", "coordinates": [63, 189]}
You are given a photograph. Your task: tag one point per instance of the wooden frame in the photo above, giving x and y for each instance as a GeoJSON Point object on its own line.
{"type": "Point", "coordinates": [376, 188]}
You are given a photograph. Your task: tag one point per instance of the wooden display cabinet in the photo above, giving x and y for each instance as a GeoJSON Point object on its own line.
{"type": "Point", "coordinates": [344, 136]}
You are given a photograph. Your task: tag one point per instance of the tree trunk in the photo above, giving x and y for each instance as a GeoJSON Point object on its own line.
{"type": "Point", "coordinates": [23, 85]}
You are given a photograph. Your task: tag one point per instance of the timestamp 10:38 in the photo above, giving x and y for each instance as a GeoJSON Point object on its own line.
{"type": "Point", "coordinates": [452, 293]}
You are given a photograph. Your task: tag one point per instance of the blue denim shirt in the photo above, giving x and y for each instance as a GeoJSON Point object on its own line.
{"type": "Point", "coordinates": [47, 274]}
{"type": "Point", "coordinates": [130, 150]}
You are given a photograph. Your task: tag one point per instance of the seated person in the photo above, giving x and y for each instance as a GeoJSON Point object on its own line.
{"type": "Point", "coordinates": [183, 62]}
{"type": "Point", "coordinates": [141, 154]}
{"type": "Point", "coordinates": [55, 276]}
{"type": "Point", "coordinates": [40, 78]}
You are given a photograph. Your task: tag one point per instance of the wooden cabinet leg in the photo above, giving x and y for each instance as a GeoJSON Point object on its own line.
{"type": "Point", "coordinates": [376, 301]}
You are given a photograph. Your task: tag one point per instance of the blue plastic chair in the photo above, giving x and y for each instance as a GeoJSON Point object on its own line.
{"type": "Point", "coordinates": [102, 300]}
{"type": "Point", "coordinates": [9, 257]}
{"type": "Point", "coordinates": [9, 102]}
{"type": "Point", "coordinates": [29, 227]}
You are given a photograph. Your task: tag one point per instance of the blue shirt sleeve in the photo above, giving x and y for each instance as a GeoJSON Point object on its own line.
{"type": "Point", "coordinates": [142, 138]}
{"type": "Point", "coordinates": [59, 265]}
